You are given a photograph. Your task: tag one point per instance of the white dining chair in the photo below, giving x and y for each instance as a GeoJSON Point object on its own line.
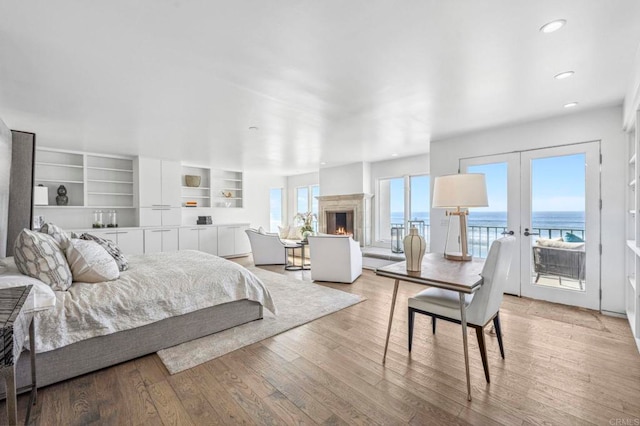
{"type": "Point", "coordinates": [481, 306]}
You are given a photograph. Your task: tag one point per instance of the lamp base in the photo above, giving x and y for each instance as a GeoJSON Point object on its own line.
{"type": "Point", "coordinates": [458, 256]}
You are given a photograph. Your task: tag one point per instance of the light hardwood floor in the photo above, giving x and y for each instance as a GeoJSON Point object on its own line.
{"type": "Point", "coordinates": [563, 366]}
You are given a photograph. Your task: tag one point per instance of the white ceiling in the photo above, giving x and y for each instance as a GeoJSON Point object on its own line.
{"type": "Point", "coordinates": [335, 81]}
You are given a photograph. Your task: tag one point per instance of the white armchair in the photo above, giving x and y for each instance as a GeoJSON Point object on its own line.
{"type": "Point", "coordinates": [267, 248]}
{"type": "Point", "coordinates": [335, 258]}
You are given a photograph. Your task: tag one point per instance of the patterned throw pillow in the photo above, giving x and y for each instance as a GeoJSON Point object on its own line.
{"type": "Point", "coordinates": [61, 237]}
{"type": "Point", "coordinates": [111, 248]}
{"type": "Point", "coordinates": [39, 256]}
{"type": "Point", "coordinates": [90, 262]}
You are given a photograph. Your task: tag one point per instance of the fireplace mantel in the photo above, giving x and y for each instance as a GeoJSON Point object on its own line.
{"type": "Point", "coordinates": [361, 206]}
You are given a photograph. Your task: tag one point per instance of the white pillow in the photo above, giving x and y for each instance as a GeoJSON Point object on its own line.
{"type": "Point", "coordinates": [558, 243]}
{"type": "Point", "coordinates": [283, 231]}
{"type": "Point", "coordinates": [295, 233]}
{"type": "Point", "coordinates": [90, 262]}
{"type": "Point", "coordinates": [262, 231]}
{"type": "Point", "coordinates": [41, 297]}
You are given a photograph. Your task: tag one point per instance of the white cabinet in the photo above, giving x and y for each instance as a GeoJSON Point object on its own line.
{"type": "Point", "coordinates": [189, 239]}
{"type": "Point", "coordinates": [199, 238]}
{"type": "Point", "coordinates": [232, 240]}
{"type": "Point", "coordinates": [159, 182]}
{"type": "Point", "coordinates": [160, 216]}
{"type": "Point", "coordinates": [130, 241]}
{"type": "Point", "coordinates": [158, 240]}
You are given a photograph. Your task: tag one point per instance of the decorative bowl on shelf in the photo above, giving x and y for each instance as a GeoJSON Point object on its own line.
{"type": "Point", "coordinates": [227, 194]}
{"type": "Point", "coordinates": [192, 180]}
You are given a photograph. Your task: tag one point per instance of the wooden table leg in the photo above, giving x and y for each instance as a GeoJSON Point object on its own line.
{"type": "Point", "coordinates": [11, 401]}
{"type": "Point", "coordinates": [32, 353]}
{"type": "Point", "coordinates": [393, 305]}
{"type": "Point", "coordinates": [463, 322]}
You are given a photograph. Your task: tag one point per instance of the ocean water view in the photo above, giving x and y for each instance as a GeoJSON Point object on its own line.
{"type": "Point", "coordinates": [544, 220]}
{"type": "Point", "coordinates": [488, 226]}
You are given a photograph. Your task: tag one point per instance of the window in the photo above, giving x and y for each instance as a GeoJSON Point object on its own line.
{"type": "Point", "coordinates": [403, 201]}
{"type": "Point", "coordinates": [275, 209]}
{"type": "Point", "coordinates": [306, 203]}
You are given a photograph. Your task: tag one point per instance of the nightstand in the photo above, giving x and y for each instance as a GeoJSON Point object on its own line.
{"type": "Point", "coordinates": [14, 325]}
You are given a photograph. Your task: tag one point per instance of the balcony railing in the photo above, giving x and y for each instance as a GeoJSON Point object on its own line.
{"type": "Point", "coordinates": [481, 237]}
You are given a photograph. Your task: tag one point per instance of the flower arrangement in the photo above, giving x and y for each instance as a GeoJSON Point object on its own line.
{"type": "Point", "coordinates": [307, 220]}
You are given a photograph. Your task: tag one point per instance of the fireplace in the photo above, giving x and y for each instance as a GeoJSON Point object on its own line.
{"type": "Point", "coordinates": [350, 211]}
{"type": "Point", "coordinates": [339, 222]}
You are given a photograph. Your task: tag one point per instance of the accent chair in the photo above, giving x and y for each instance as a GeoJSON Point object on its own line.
{"type": "Point", "coordinates": [482, 306]}
{"type": "Point", "coordinates": [267, 248]}
{"type": "Point", "coordinates": [336, 258]}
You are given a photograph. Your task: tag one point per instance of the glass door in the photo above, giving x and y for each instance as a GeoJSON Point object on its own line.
{"type": "Point", "coordinates": [550, 199]}
{"type": "Point", "coordinates": [501, 217]}
{"type": "Point", "coordinates": [560, 221]}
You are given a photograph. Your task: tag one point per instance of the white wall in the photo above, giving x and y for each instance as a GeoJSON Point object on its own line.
{"type": "Point", "coordinates": [602, 124]}
{"type": "Point", "coordinates": [632, 98]}
{"type": "Point", "coordinates": [344, 180]}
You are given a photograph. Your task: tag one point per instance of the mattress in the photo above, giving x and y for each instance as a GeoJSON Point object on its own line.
{"type": "Point", "coordinates": [155, 287]}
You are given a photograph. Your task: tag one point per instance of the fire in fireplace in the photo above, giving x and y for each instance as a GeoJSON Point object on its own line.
{"type": "Point", "coordinates": [339, 222]}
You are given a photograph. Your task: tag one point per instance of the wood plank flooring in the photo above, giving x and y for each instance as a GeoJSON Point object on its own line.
{"type": "Point", "coordinates": [563, 365]}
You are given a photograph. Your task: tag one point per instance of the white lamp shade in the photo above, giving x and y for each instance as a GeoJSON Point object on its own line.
{"type": "Point", "coordinates": [461, 190]}
{"type": "Point", "coordinates": [40, 195]}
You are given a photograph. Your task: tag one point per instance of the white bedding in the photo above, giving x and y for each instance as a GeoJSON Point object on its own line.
{"type": "Point", "coordinates": [156, 286]}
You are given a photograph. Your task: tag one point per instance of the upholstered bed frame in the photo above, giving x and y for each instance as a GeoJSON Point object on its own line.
{"type": "Point", "coordinates": [104, 351]}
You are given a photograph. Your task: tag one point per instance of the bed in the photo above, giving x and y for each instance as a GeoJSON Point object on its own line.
{"type": "Point", "coordinates": [162, 300]}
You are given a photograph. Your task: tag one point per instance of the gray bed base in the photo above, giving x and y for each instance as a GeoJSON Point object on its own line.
{"type": "Point", "coordinates": [104, 351]}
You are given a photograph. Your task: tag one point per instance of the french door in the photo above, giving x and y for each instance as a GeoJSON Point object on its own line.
{"type": "Point", "coordinates": [549, 199]}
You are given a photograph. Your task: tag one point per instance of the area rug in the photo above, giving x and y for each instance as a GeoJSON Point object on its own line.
{"type": "Point", "coordinates": [298, 302]}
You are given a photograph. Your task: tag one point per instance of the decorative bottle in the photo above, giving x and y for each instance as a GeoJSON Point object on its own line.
{"type": "Point", "coordinates": [414, 248]}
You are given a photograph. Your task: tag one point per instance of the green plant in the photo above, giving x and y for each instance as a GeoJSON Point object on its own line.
{"type": "Point", "coordinates": [306, 220]}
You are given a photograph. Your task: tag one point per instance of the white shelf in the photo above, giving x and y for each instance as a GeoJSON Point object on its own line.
{"type": "Point", "coordinates": [632, 281]}
{"type": "Point", "coordinates": [195, 187]}
{"type": "Point", "coordinates": [632, 183]}
{"type": "Point", "coordinates": [109, 181]}
{"type": "Point", "coordinates": [231, 189]}
{"type": "Point", "coordinates": [108, 169]}
{"type": "Point", "coordinates": [632, 245]}
{"type": "Point", "coordinates": [119, 194]}
{"type": "Point", "coordinates": [230, 198]}
{"type": "Point", "coordinates": [84, 207]}
{"type": "Point", "coordinates": [196, 196]}
{"type": "Point", "coordinates": [69, 166]}
{"type": "Point", "coordinates": [59, 181]}
{"type": "Point", "coordinates": [633, 159]}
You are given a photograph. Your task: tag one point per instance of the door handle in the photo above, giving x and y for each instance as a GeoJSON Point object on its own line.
{"type": "Point", "coordinates": [527, 233]}
{"type": "Point", "coordinates": [508, 233]}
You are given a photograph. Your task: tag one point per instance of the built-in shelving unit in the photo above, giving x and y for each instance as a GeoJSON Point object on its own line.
{"type": "Point", "coordinates": [228, 189]}
{"type": "Point", "coordinates": [200, 194]}
{"type": "Point", "coordinates": [92, 181]}
{"type": "Point", "coordinates": [632, 293]}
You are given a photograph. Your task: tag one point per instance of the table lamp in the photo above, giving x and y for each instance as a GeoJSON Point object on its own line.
{"type": "Point", "coordinates": [459, 192]}
{"type": "Point", "coordinates": [40, 195]}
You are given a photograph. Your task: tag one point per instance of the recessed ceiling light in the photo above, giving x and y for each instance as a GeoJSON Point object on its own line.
{"type": "Point", "coordinates": [394, 154]}
{"type": "Point", "coordinates": [323, 163]}
{"type": "Point", "coordinates": [563, 75]}
{"type": "Point", "coordinates": [253, 128]}
{"type": "Point", "coordinates": [571, 105]}
{"type": "Point", "coordinates": [552, 26]}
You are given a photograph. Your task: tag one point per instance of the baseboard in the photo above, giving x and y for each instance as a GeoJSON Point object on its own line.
{"type": "Point", "coordinates": [613, 314]}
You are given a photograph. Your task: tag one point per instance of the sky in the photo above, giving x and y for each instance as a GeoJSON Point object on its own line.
{"type": "Point", "coordinates": [558, 185]}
